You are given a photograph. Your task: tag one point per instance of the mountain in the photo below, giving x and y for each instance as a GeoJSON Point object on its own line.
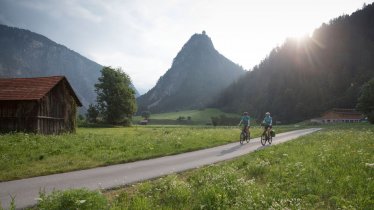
{"type": "Point", "coordinates": [303, 78]}
{"type": "Point", "coordinates": [27, 54]}
{"type": "Point", "coordinates": [198, 73]}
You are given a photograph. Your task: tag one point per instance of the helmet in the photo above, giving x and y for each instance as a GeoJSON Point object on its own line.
{"type": "Point", "coordinates": [245, 113]}
{"type": "Point", "coordinates": [268, 113]}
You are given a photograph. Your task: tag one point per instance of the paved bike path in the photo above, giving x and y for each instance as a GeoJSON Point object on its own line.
{"type": "Point", "coordinates": [27, 190]}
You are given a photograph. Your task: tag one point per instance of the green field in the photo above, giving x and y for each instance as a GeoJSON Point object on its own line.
{"type": "Point", "coordinates": [26, 155]}
{"type": "Point", "coordinates": [330, 169]}
{"type": "Point", "coordinates": [201, 117]}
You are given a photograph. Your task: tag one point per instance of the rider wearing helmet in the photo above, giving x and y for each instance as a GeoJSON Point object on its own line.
{"type": "Point", "coordinates": [245, 119]}
{"type": "Point", "coordinates": [267, 122]}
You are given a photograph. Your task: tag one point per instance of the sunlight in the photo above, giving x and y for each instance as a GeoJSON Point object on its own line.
{"type": "Point", "coordinates": [298, 33]}
{"type": "Point", "coordinates": [301, 38]}
{"type": "Point", "coordinates": [297, 28]}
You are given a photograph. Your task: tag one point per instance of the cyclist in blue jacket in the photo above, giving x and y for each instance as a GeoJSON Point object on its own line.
{"type": "Point", "coordinates": [267, 123]}
{"type": "Point", "coordinates": [245, 120]}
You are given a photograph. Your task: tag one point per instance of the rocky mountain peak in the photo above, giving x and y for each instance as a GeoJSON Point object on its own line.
{"type": "Point", "coordinates": [199, 45]}
{"type": "Point", "coordinates": [198, 73]}
{"type": "Point", "coordinates": [200, 40]}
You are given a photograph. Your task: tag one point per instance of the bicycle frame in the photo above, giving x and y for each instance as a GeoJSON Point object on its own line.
{"type": "Point", "coordinates": [245, 135]}
{"type": "Point", "coordinates": [246, 130]}
{"type": "Point", "coordinates": [267, 131]}
{"type": "Point", "coordinates": [266, 137]}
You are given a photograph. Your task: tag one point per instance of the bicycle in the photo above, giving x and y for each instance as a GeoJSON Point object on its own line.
{"type": "Point", "coordinates": [245, 136]}
{"type": "Point", "coordinates": [266, 137]}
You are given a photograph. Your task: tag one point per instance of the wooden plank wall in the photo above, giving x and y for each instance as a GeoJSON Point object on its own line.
{"type": "Point", "coordinates": [18, 116]}
{"type": "Point", "coordinates": [55, 113]}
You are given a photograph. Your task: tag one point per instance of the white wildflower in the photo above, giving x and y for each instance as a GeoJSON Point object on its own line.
{"type": "Point", "coordinates": [371, 165]}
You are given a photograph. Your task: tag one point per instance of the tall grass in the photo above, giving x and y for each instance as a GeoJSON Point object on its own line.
{"type": "Point", "coordinates": [81, 199]}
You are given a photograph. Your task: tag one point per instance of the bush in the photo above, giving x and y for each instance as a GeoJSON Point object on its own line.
{"type": "Point", "coordinates": [146, 114]}
{"type": "Point", "coordinates": [72, 199]}
{"type": "Point", "coordinates": [92, 113]}
{"type": "Point", "coordinates": [371, 117]}
{"type": "Point", "coordinates": [181, 118]}
{"type": "Point", "coordinates": [224, 120]}
{"type": "Point", "coordinates": [366, 100]}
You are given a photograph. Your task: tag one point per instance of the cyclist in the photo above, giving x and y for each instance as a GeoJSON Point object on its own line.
{"type": "Point", "coordinates": [246, 123]}
{"type": "Point", "coordinates": [267, 122]}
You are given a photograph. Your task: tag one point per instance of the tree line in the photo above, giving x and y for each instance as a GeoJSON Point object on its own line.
{"type": "Point", "coordinates": [302, 79]}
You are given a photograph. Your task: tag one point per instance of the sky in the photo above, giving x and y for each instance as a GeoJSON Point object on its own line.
{"type": "Point", "coordinates": [143, 36]}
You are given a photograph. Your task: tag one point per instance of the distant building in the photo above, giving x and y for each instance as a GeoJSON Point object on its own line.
{"type": "Point", "coordinates": [143, 122]}
{"type": "Point", "coordinates": [45, 105]}
{"type": "Point", "coordinates": [338, 115]}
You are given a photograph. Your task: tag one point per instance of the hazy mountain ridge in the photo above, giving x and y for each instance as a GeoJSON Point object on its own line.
{"type": "Point", "coordinates": [198, 73]}
{"type": "Point", "coordinates": [302, 79]}
{"type": "Point", "coordinates": [27, 54]}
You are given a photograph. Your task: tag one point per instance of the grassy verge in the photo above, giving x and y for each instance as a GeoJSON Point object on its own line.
{"type": "Point", "coordinates": [330, 169]}
{"type": "Point", "coordinates": [26, 155]}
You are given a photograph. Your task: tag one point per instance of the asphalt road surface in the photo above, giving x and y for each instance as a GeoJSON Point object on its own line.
{"type": "Point", "coordinates": [27, 190]}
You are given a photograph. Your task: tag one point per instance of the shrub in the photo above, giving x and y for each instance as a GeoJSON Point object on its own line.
{"type": "Point", "coordinates": [92, 113]}
{"type": "Point", "coordinates": [366, 100]}
{"type": "Point", "coordinates": [181, 118]}
{"type": "Point", "coordinates": [146, 114]}
{"type": "Point", "coordinates": [81, 199]}
{"type": "Point", "coordinates": [224, 120]}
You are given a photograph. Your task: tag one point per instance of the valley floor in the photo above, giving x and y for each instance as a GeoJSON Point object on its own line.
{"type": "Point", "coordinates": [330, 169]}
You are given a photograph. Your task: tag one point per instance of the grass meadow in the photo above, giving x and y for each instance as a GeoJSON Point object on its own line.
{"type": "Point", "coordinates": [27, 155]}
{"type": "Point", "coordinates": [329, 169]}
{"type": "Point", "coordinates": [198, 117]}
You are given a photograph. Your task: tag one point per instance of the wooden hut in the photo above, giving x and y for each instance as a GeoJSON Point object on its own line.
{"type": "Point", "coordinates": [45, 105]}
{"type": "Point", "coordinates": [338, 115]}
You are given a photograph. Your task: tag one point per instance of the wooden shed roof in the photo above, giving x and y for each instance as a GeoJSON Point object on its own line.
{"type": "Point", "coordinates": [24, 89]}
{"type": "Point", "coordinates": [346, 111]}
{"type": "Point", "coordinates": [338, 113]}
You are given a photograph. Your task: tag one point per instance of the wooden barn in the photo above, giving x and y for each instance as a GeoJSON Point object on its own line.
{"type": "Point", "coordinates": [45, 105]}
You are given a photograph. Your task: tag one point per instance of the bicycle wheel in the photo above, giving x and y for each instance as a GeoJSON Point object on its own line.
{"type": "Point", "coordinates": [263, 140]}
{"type": "Point", "coordinates": [242, 137]}
{"type": "Point", "coordinates": [248, 137]}
{"type": "Point", "coordinates": [270, 139]}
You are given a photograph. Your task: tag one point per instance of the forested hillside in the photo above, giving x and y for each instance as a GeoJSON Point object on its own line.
{"type": "Point", "coordinates": [198, 73]}
{"type": "Point", "coordinates": [303, 78]}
